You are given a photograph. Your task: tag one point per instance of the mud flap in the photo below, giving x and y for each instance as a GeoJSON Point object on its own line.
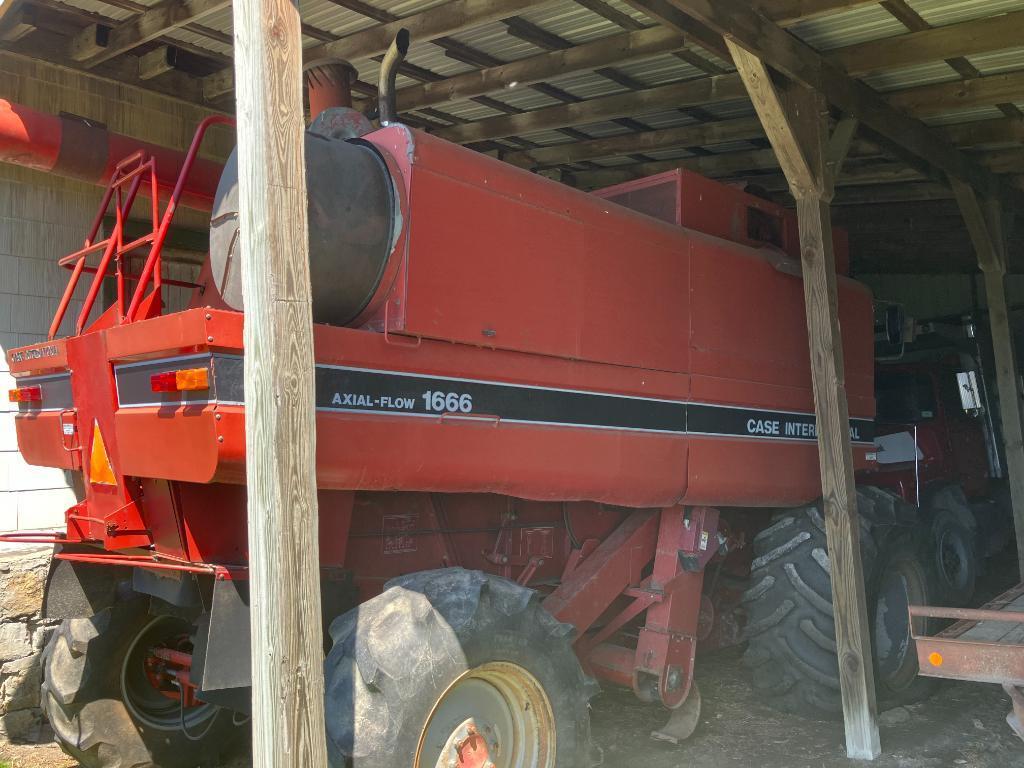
{"type": "Point", "coordinates": [221, 661]}
{"type": "Point", "coordinates": [77, 590]}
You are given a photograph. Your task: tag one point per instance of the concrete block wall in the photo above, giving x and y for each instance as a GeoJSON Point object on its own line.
{"type": "Point", "coordinates": [44, 217]}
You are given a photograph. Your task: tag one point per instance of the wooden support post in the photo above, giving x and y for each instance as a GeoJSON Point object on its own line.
{"type": "Point", "coordinates": [284, 576]}
{"type": "Point", "coordinates": [984, 222]}
{"type": "Point", "coordinates": [795, 119]}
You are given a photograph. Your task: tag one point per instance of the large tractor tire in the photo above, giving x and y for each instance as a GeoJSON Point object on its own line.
{"type": "Point", "coordinates": [791, 651]}
{"type": "Point", "coordinates": [104, 709]}
{"type": "Point", "coordinates": [449, 663]}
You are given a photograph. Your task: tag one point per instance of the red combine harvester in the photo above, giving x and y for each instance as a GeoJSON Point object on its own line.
{"type": "Point", "coordinates": [541, 419]}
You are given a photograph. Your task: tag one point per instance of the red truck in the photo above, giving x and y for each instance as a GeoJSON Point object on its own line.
{"type": "Point", "coordinates": [938, 448]}
{"type": "Point", "coordinates": [542, 418]}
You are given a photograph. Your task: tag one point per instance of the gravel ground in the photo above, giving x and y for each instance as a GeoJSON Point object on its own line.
{"type": "Point", "coordinates": [963, 725]}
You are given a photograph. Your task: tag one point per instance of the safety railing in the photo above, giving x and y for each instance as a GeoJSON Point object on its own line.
{"type": "Point", "coordinates": [129, 177]}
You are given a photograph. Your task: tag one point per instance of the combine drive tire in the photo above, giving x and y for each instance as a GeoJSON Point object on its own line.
{"type": "Point", "coordinates": [452, 662]}
{"type": "Point", "coordinates": [104, 711]}
{"type": "Point", "coordinates": [791, 651]}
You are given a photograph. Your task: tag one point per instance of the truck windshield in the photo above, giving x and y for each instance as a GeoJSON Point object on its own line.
{"type": "Point", "coordinates": [903, 398]}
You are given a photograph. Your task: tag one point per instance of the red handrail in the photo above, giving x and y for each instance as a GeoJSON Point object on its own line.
{"type": "Point", "coordinates": [131, 169]}
{"type": "Point", "coordinates": [172, 205]}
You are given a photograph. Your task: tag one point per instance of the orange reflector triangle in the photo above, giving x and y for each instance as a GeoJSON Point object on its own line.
{"type": "Point", "coordinates": [100, 470]}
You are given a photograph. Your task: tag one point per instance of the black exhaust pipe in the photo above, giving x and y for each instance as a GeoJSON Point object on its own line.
{"type": "Point", "coordinates": [386, 108]}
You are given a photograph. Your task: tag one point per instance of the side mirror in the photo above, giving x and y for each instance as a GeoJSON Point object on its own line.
{"type": "Point", "coordinates": [889, 326]}
{"type": "Point", "coordinates": [970, 397]}
{"type": "Point", "coordinates": [894, 320]}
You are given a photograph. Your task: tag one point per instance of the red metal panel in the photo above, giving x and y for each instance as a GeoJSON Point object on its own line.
{"type": "Point", "coordinates": [41, 441]}
{"type": "Point", "coordinates": [687, 199]}
{"type": "Point", "coordinates": [615, 565]}
{"type": "Point", "coordinates": [524, 263]}
{"type": "Point", "coordinates": [113, 511]}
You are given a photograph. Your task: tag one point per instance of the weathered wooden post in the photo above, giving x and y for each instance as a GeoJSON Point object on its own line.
{"type": "Point", "coordinates": [795, 118]}
{"type": "Point", "coordinates": [287, 644]}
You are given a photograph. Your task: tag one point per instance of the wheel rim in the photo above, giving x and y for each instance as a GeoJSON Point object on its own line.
{"type": "Point", "coordinates": [151, 698]}
{"type": "Point", "coordinates": [953, 559]}
{"type": "Point", "coordinates": [494, 715]}
{"type": "Point", "coordinates": [901, 585]}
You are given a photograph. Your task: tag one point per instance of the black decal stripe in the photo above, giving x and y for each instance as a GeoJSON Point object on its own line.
{"type": "Point", "coordinates": [357, 390]}
{"type": "Point", "coordinates": [343, 389]}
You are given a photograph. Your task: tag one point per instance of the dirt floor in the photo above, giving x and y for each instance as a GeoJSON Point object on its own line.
{"type": "Point", "coordinates": [964, 725]}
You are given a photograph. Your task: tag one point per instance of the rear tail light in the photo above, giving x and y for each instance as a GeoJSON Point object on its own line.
{"type": "Point", "coordinates": [185, 380]}
{"type": "Point", "coordinates": [25, 395]}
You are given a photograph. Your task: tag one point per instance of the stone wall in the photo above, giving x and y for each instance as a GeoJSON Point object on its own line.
{"type": "Point", "coordinates": [23, 633]}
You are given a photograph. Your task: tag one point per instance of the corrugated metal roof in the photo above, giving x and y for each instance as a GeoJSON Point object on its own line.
{"type": "Point", "coordinates": [577, 24]}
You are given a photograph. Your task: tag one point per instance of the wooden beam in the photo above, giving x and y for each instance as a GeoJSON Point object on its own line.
{"type": "Point", "coordinates": [1000, 130]}
{"type": "Point", "coordinates": [91, 49]}
{"type": "Point", "coordinates": [689, 93]}
{"type": "Point", "coordinates": [175, 85]}
{"type": "Point", "coordinates": [779, 124]}
{"type": "Point", "coordinates": [712, 166]}
{"type": "Point", "coordinates": [614, 49]}
{"type": "Point", "coordinates": [446, 19]}
{"type": "Point", "coordinates": [984, 223]}
{"type": "Point", "coordinates": [742, 163]}
{"type": "Point", "coordinates": [942, 98]}
{"type": "Point", "coordinates": [791, 11]}
{"type": "Point", "coordinates": [284, 564]}
{"type": "Point", "coordinates": [601, 8]}
{"type": "Point", "coordinates": [992, 33]}
{"type": "Point", "coordinates": [838, 148]}
{"type": "Point", "coordinates": [795, 119]}
{"type": "Point", "coordinates": [750, 30]}
{"type": "Point", "coordinates": [18, 22]}
{"type": "Point", "coordinates": [877, 174]}
{"type": "Point", "coordinates": [157, 62]}
{"type": "Point", "coordinates": [666, 13]}
{"type": "Point", "coordinates": [8, 7]}
{"type": "Point", "coordinates": [701, 135]}
{"type": "Point", "coordinates": [1004, 160]}
{"type": "Point", "coordinates": [882, 194]}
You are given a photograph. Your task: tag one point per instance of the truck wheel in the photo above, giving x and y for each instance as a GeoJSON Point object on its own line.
{"type": "Point", "coordinates": [903, 579]}
{"type": "Point", "coordinates": [956, 553]}
{"type": "Point", "coordinates": [455, 667]}
{"type": "Point", "coordinates": [108, 704]}
{"type": "Point", "coordinates": [955, 550]}
{"type": "Point", "coordinates": [791, 651]}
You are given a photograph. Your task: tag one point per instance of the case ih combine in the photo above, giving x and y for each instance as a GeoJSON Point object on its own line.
{"type": "Point", "coordinates": [553, 434]}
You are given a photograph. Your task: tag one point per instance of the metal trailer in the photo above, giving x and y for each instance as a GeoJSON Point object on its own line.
{"type": "Point", "coordinates": [984, 645]}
